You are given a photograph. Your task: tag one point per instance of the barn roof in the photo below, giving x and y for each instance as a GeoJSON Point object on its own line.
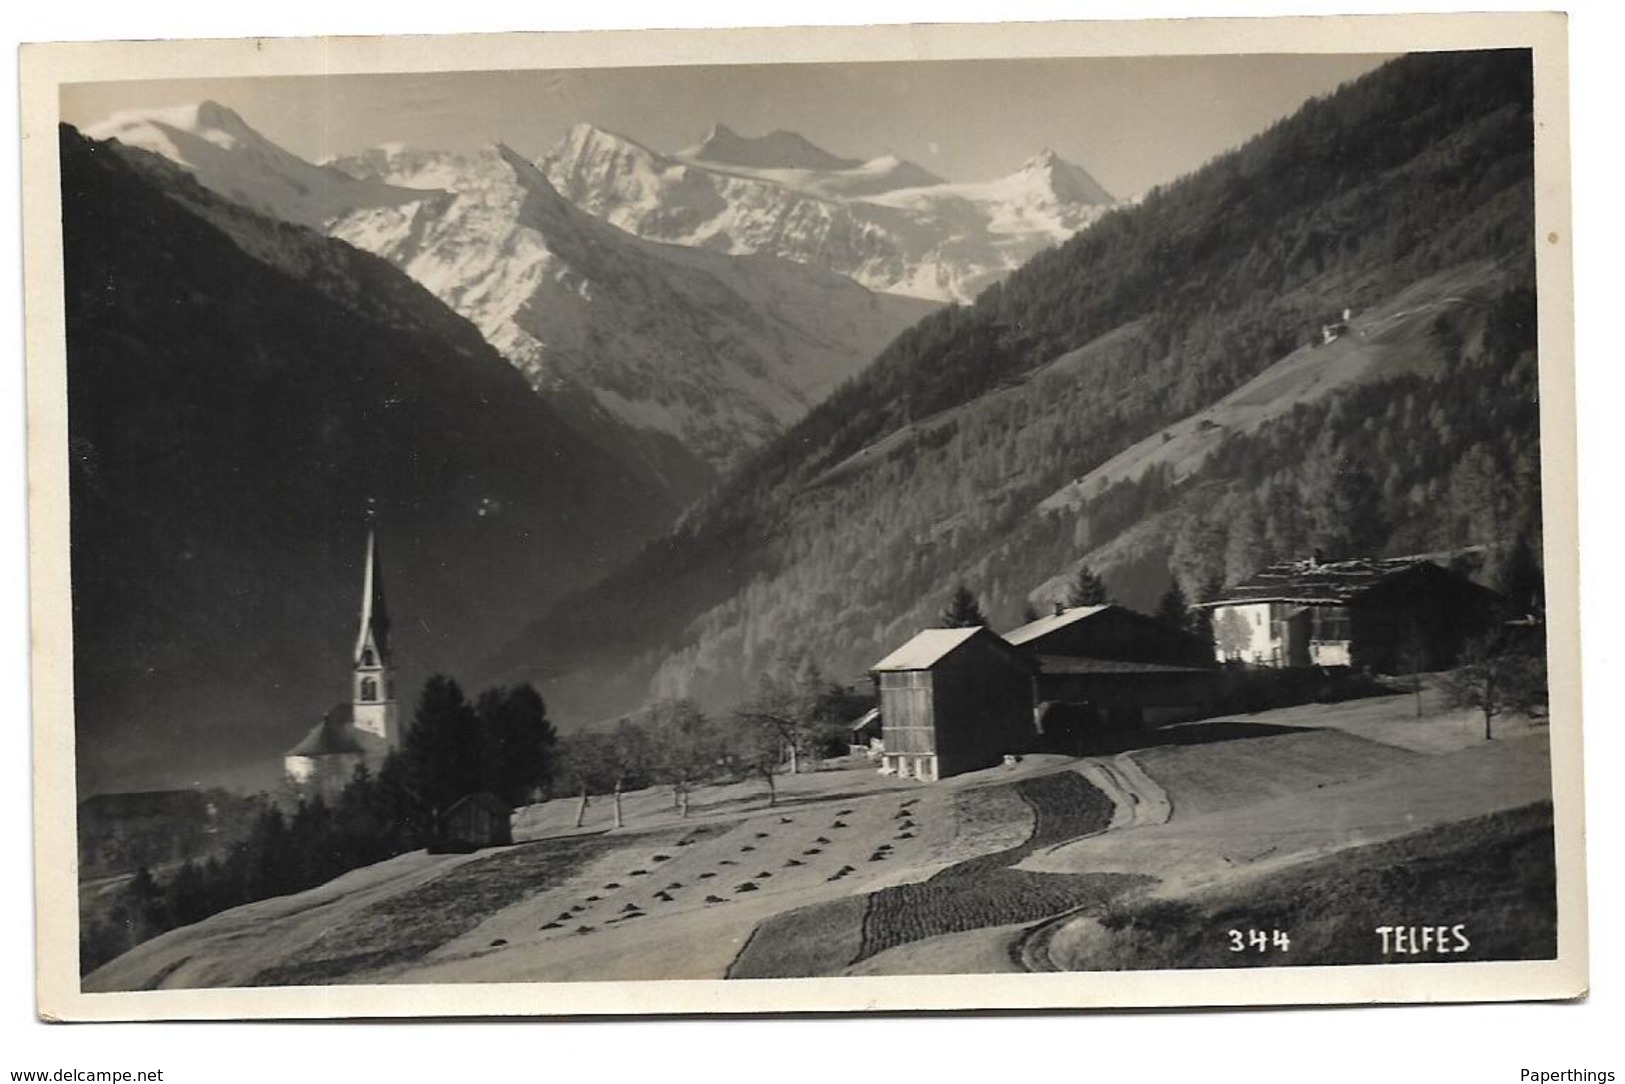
{"type": "Point", "coordinates": [483, 798]}
{"type": "Point", "coordinates": [1323, 583]}
{"type": "Point", "coordinates": [1046, 625]}
{"type": "Point", "coordinates": [928, 648]}
{"type": "Point", "coordinates": [1072, 664]}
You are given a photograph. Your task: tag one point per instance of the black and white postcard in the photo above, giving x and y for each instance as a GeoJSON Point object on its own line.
{"type": "Point", "coordinates": [1073, 515]}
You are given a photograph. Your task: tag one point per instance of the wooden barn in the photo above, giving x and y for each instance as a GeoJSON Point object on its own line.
{"type": "Point", "coordinates": [952, 701]}
{"type": "Point", "coordinates": [1108, 632]}
{"type": "Point", "coordinates": [474, 821]}
{"type": "Point", "coordinates": [1387, 616]}
{"type": "Point", "coordinates": [1100, 672]}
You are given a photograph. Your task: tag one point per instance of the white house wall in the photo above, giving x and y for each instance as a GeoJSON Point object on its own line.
{"type": "Point", "coordinates": [1245, 632]}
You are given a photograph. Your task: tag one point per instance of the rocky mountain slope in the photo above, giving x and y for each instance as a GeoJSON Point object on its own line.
{"type": "Point", "coordinates": [240, 391]}
{"type": "Point", "coordinates": [887, 223]}
{"type": "Point", "coordinates": [718, 353]}
{"type": "Point", "coordinates": [676, 362]}
{"type": "Point", "coordinates": [1147, 398]}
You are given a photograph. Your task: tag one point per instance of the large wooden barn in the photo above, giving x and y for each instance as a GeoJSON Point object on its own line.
{"type": "Point", "coordinates": [1388, 616]}
{"type": "Point", "coordinates": [1101, 672]}
{"type": "Point", "coordinates": [952, 701]}
{"type": "Point", "coordinates": [1108, 632]}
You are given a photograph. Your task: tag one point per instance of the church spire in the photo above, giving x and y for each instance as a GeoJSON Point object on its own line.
{"type": "Point", "coordinates": [373, 706]}
{"type": "Point", "coordinates": [374, 628]}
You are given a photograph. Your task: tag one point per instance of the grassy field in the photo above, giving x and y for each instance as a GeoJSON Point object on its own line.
{"type": "Point", "coordinates": [1493, 875]}
{"type": "Point", "coordinates": [979, 892]}
{"type": "Point", "coordinates": [1324, 821]}
{"type": "Point", "coordinates": [1226, 775]}
{"type": "Point", "coordinates": [401, 929]}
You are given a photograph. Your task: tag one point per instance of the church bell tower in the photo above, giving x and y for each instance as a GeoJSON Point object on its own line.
{"type": "Point", "coordinates": [374, 708]}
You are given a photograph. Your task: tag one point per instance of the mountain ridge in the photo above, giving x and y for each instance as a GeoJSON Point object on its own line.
{"type": "Point", "coordinates": [778, 149]}
{"type": "Point", "coordinates": [676, 363]}
{"type": "Point", "coordinates": [572, 300]}
{"type": "Point", "coordinates": [888, 223]}
{"type": "Point", "coordinates": [232, 158]}
{"type": "Point", "coordinates": [241, 391]}
{"type": "Point", "coordinates": [1163, 309]}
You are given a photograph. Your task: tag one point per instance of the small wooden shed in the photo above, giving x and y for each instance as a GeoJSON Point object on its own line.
{"type": "Point", "coordinates": [473, 821]}
{"type": "Point", "coordinates": [952, 701]}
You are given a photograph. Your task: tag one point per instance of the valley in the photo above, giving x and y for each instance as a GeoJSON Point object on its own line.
{"type": "Point", "coordinates": [1043, 866]}
{"type": "Point", "coordinates": [1153, 400]}
{"type": "Point", "coordinates": [687, 440]}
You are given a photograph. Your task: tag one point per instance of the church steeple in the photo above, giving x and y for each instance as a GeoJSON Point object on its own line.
{"type": "Point", "coordinates": [373, 699]}
{"type": "Point", "coordinates": [374, 631]}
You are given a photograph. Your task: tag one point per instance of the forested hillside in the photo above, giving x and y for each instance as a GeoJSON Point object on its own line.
{"type": "Point", "coordinates": [242, 392]}
{"type": "Point", "coordinates": [1189, 321]}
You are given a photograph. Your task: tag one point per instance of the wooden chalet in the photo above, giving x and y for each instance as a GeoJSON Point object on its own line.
{"type": "Point", "coordinates": [1387, 616]}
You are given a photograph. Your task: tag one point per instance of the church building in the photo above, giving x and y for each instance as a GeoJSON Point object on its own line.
{"type": "Point", "coordinates": [365, 730]}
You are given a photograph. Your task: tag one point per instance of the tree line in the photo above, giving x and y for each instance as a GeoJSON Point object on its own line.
{"type": "Point", "coordinates": [501, 742]}
{"type": "Point", "coordinates": [794, 717]}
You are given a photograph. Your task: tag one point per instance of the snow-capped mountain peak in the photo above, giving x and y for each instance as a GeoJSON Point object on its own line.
{"type": "Point", "coordinates": [1065, 180]}
{"type": "Point", "coordinates": [886, 223]}
{"type": "Point", "coordinates": [778, 149]}
{"type": "Point", "coordinates": [227, 155]}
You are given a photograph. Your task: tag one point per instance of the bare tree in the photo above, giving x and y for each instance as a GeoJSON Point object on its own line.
{"type": "Point", "coordinates": [583, 767]}
{"type": "Point", "coordinates": [777, 708]}
{"type": "Point", "coordinates": [1495, 681]}
{"type": "Point", "coordinates": [685, 748]}
{"type": "Point", "coordinates": [630, 760]}
{"type": "Point", "coordinates": [755, 747]}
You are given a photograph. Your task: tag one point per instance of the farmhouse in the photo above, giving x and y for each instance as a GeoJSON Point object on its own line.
{"type": "Point", "coordinates": [1103, 670]}
{"type": "Point", "coordinates": [1389, 616]}
{"type": "Point", "coordinates": [952, 701]}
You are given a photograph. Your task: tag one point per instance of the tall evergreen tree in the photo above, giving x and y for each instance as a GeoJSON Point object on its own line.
{"type": "Point", "coordinates": [519, 742]}
{"type": "Point", "coordinates": [1087, 589]}
{"type": "Point", "coordinates": [1173, 609]}
{"type": "Point", "coordinates": [443, 755]}
{"type": "Point", "coordinates": [962, 611]}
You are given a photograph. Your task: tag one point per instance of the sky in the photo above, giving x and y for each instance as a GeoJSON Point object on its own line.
{"type": "Point", "coordinates": [1132, 122]}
